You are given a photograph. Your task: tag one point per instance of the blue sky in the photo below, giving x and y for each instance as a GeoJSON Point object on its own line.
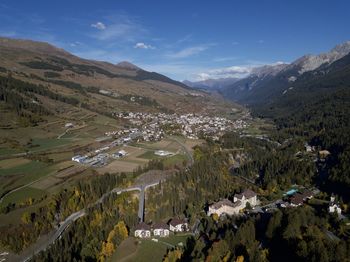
{"type": "Point", "coordinates": [182, 39]}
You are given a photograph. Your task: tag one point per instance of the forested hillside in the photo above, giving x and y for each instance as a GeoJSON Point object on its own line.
{"type": "Point", "coordinates": [317, 108]}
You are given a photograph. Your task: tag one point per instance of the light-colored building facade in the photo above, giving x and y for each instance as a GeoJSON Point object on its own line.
{"type": "Point", "coordinates": [161, 230]}
{"type": "Point", "coordinates": [247, 196]}
{"type": "Point", "coordinates": [225, 207]}
{"type": "Point", "coordinates": [233, 208]}
{"type": "Point", "coordinates": [143, 230]}
{"type": "Point", "coordinates": [178, 225]}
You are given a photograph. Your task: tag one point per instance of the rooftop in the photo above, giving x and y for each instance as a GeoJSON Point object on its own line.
{"type": "Point", "coordinates": [225, 202]}
{"type": "Point", "coordinates": [160, 225]}
{"type": "Point", "coordinates": [247, 193]}
{"type": "Point", "coordinates": [176, 221]}
{"type": "Point", "coordinates": [143, 226]}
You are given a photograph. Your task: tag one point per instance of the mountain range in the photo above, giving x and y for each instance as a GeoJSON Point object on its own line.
{"type": "Point", "coordinates": [50, 79]}
{"type": "Point", "coordinates": [264, 82]}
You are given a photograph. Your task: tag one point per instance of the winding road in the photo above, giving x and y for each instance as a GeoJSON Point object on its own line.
{"type": "Point", "coordinates": [73, 217]}
{"type": "Point", "coordinates": [185, 149]}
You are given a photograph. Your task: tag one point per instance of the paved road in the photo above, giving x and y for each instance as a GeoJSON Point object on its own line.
{"type": "Point", "coordinates": [188, 153]}
{"type": "Point", "coordinates": [18, 188]}
{"type": "Point", "coordinates": [141, 212]}
{"type": "Point", "coordinates": [73, 217]}
{"type": "Point", "coordinates": [331, 235]}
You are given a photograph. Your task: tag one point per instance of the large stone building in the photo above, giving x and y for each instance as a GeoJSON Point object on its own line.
{"type": "Point", "coordinates": [233, 208]}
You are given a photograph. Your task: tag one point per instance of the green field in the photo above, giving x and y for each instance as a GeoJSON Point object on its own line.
{"type": "Point", "coordinates": [22, 195]}
{"type": "Point", "coordinates": [148, 155]}
{"type": "Point", "coordinates": [146, 249]}
{"type": "Point", "coordinates": [8, 151]}
{"type": "Point", "coordinates": [14, 177]}
{"type": "Point", "coordinates": [173, 160]}
{"type": "Point", "coordinates": [41, 144]}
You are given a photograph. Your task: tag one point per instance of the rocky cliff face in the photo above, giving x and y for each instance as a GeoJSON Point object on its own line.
{"type": "Point", "coordinates": [311, 62]}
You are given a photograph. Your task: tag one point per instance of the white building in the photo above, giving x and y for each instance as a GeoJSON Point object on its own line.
{"type": "Point", "coordinates": [333, 206]}
{"type": "Point", "coordinates": [225, 207]}
{"type": "Point", "coordinates": [233, 208]}
{"type": "Point", "coordinates": [247, 196]}
{"type": "Point", "coordinates": [178, 225]}
{"type": "Point", "coordinates": [162, 153]}
{"type": "Point", "coordinates": [161, 230]}
{"type": "Point", "coordinates": [79, 158]}
{"type": "Point", "coordinates": [143, 230]}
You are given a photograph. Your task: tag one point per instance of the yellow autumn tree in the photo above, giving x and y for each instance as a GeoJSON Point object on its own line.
{"type": "Point", "coordinates": [173, 256]}
{"type": "Point", "coordinates": [121, 231]}
{"type": "Point", "coordinates": [26, 218]}
{"type": "Point", "coordinates": [116, 235]}
{"type": "Point", "coordinates": [240, 259]}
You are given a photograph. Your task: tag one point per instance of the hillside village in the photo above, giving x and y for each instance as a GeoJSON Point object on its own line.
{"type": "Point", "coordinates": [193, 126]}
{"type": "Point", "coordinates": [153, 127]}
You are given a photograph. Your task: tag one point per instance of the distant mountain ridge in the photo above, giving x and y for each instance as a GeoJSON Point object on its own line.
{"type": "Point", "coordinates": [265, 82]}
{"type": "Point", "coordinates": [211, 84]}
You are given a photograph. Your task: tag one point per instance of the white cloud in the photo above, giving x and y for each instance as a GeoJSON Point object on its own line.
{"type": "Point", "coordinates": [238, 71]}
{"type": "Point", "coordinates": [99, 26]}
{"type": "Point", "coordinates": [224, 59]}
{"type": "Point", "coordinates": [232, 71]}
{"type": "Point", "coordinates": [120, 27]}
{"type": "Point", "coordinates": [190, 51]}
{"type": "Point", "coordinates": [141, 45]}
{"type": "Point", "coordinates": [186, 38]}
{"type": "Point", "coordinates": [176, 70]}
{"type": "Point", "coordinates": [101, 55]}
{"type": "Point", "coordinates": [75, 44]}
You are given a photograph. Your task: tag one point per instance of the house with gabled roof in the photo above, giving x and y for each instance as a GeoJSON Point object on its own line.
{"type": "Point", "coordinates": [143, 230]}
{"type": "Point", "coordinates": [178, 225]}
{"type": "Point", "coordinates": [247, 196]}
{"type": "Point", "coordinates": [161, 230]}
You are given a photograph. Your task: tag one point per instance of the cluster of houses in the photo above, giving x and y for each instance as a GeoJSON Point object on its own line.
{"type": "Point", "coordinates": [144, 131]}
{"type": "Point", "coordinates": [333, 206]}
{"type": "Point", "coordinates": [189, 125]}
{"type": "Point", "coordinates": [297, 199]}
{"type": "Point", "coordinates": [144, 230]}
{"type": "Point", "coordinates": [240, 202]}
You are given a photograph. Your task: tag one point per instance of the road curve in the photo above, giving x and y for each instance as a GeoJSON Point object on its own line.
{"type": "Point", "coordinates": [188, 153]}
{"type": "Point", "coordinates": [74, 216]}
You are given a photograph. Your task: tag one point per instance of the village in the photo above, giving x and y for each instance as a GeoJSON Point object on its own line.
{"type": "Point", "coordinates": [149, 127]}
{"type": "Point", "coordinates": [192, 126]}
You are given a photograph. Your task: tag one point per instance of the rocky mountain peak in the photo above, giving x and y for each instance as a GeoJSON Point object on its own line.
{"type": "Point", "coordinates": [262, 71]}
{"type": "Point", "coordinates": [311, 62]}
